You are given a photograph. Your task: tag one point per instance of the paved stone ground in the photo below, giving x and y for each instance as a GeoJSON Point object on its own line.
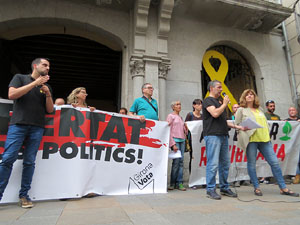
{"type": "Point", "coordinates": [176, 207]}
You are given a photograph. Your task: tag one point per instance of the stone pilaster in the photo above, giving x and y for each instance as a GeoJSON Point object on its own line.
{"type": "Point", "coordinates": [141, 12]}
{"type": "Point", "coordinates": [164, 18]}
{"type": "Point", "coordinates": [137, 70]}
{"type": "Point", "coordinates": [149, 62]}
{"type": "Point", "coordinates": [163, 69]}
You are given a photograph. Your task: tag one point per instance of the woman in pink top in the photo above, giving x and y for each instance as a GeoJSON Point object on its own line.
{"type": "Point", "coordinates": [177, 142]}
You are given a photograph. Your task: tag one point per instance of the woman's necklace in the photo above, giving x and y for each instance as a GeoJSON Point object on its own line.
{"type": "Point", "coordinates": [196, 115]}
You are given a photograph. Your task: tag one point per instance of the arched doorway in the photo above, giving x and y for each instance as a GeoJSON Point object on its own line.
{"type": "Point", "coordinates": [75, 62]}
{"type": "Point", "coordinates": [240, 75]}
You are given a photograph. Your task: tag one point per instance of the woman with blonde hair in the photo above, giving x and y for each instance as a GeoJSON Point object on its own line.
{"type": "Point", "coordinates": [258, 139]}
{"type": "Point", "coordinates": [77, 98]}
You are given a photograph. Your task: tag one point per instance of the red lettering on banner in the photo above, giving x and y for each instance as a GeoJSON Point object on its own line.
{"type": "Point", "coordinates": [119, 132]}
{"type": "Point", "coordinates": [275, 148]}
{"type": "Point", "coordinates": [69, 125]}
{"type": "Point", "coordinates": [232, 152]}
{"type": "Point", "coordinates": [260, 156]}
{"type": "Point", "coordinates": [203, 158]}
{"type": "Point", "coordinates": [239, 155]}
{"type": "Point", "coordinates": [146, 141]}
{"type": "Point", "coordinates": [2, 145]}
{"type": "Point", "coordinates": [281, 152]}
{"type": "Point", "coordinates": [245, 158]}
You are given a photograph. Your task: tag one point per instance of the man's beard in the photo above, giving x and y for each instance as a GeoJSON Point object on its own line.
{"type": "Point", "coordinates": [43, 73]}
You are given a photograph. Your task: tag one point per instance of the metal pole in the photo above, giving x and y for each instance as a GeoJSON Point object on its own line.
{"type": "Point", "coordinates": [290, 62]}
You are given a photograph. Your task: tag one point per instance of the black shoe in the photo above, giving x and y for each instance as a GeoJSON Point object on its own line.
{"type": "Point", "coordinates": [245, 183]}
{"type": "Point", "coordinates": [228, 193]}
{"type": "Point", "coordinates": [213, 195]}
{"type": "Point", "coordinates": [236, 184]}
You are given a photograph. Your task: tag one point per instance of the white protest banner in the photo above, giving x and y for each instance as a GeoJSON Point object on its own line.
{"type": "Point", "coordinates": [94, 152]}
{"type": "Point", "coordinates": [286, 144]}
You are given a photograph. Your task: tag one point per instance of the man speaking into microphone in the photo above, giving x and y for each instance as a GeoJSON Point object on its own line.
{"type": "Point", "coordinates": [32, 100]}
{"type": "Point", "coordinates": [215, 131]}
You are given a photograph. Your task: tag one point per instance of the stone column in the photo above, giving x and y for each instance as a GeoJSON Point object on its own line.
{"type": "Point", "coordinates": [137, 69]}
{"type": "Point", "coordinates": [163, 69]}
{"type": "Point", "coordinates": [151, 71]}
{"type": "Point", "coordinates": [149, 62]}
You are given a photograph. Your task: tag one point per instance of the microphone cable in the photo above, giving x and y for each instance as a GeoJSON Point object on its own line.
{"type": "Point", "coordinates": [254, 199]}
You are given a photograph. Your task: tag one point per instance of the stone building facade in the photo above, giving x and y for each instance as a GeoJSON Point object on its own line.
{"type": "Point", "coordinates": [163, 42]}
{"type": "Point", "coordinates": [292, 26]}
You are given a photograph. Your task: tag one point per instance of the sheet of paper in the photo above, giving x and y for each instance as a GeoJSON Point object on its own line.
{"type": "Point", "coordinates": [175, 155]}
{"type": "Point", "coordinates": [251, 124]}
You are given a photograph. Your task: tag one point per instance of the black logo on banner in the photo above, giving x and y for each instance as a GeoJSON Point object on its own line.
{"type": "Point", "coordinates": [143, 178]}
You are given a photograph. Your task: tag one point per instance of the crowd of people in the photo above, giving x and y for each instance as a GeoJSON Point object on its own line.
{"type": "Point", "coordinates": [215, 131]}
{"type": "Point", "coordinates": [32, 97]}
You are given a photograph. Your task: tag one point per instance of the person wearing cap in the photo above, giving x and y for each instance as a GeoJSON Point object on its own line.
{"type": "Point", "coordinates": [270, 115]}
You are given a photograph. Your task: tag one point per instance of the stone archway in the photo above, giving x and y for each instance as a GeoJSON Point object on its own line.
{"type": "Point", "coordinates": [74, 62]}
{"type": "Point", "coordinates": [254, 71]}
{"type": "Point", "coordinates": [240, 75]}
{"type": "Point", "coordinates": [80, 21]}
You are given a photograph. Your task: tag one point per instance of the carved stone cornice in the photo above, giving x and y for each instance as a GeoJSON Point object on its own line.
{"type": "Point", "coordinates": [164, 17]}
{"type": "Point", "coordinates": [140, 25]}
{"type": "Point", "coordinates": [141, 16]}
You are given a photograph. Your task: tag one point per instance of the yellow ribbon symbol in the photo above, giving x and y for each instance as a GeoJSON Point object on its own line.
{"type": "Point", "coordinates": [220, 75]}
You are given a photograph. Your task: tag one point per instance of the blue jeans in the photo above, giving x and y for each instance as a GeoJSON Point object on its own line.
{"type": "Point", "coordinates": [267, 151]}
{"type": "Point", "coordinates": [298, 165]}
{"type": "Point", "coordinates": [15, 137]}
{"type": "Point", "coordinates": [217, 154]}
{"type": "Point", "coordinates": [177, 166]}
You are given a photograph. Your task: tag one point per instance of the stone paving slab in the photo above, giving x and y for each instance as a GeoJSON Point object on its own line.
{"type": "Point", "coordinates": [174, 208]}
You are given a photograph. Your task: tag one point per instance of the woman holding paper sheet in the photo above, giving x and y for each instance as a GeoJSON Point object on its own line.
{"type": "Point", "coordinates": [258, 139]}
{"type": "Point", "coordinates": [178, 129]}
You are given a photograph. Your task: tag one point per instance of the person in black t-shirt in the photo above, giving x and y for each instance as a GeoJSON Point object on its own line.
{"type": "Point", "coordinates": [192, 116]}
{"type": "Point", "coordinates": [293, 114]}
{"type": "Point", "coordinates": [32, 100]}
{"type": "Point", "coordinates": [215, 132]}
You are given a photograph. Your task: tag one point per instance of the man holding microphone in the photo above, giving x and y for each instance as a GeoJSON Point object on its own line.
{"type": "Point", "coordinates": [215, 131]}
{"type": "Point", "coordinates": [32, 100]}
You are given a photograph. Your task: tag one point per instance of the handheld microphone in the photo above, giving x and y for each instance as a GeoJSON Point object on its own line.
{"type": "Point", "coordinates": [224, 95]}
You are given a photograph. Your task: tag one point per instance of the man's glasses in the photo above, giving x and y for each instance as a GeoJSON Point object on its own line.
{"type": "Point", "coordinates": [150, 88]}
